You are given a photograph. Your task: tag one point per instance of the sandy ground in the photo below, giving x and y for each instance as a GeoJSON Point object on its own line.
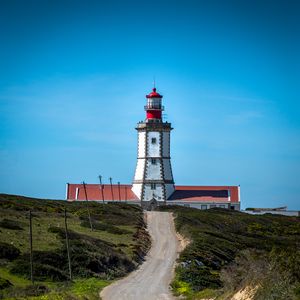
{"type": "Point", "coordinates": [151, 281]}
{"type": "Point", "coordinates": [247, 293]}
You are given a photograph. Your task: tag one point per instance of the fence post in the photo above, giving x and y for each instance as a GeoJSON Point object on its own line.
{"type": "Point", "coordinates": [111, 189]}
{"type": "Point", "coordinates": [87, 206]}
{"type": "Point", "coordinates": [30, 243]}
{"type": "Point", "coordinates": [119, 191]}
{"type": "Point", "coordinates": [101, 187]}
{"type": "Point", "coordinates": [68, 248]}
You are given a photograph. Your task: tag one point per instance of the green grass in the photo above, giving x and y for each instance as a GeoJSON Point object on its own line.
{"type": "Point", "coordinates": [91, 286]}
{"type": "Point", "coordinates": [80, 289]}
{"type": "Point", "coordinates": [215, 259]}
{"type": "Point", "coordinates": [98, 257]}
{"type": "Point", "coordinates": [15, 280]}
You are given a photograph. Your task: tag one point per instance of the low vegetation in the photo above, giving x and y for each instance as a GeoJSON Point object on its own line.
{"type": "Point", "coordinates": [116, 245]}
{"type": "Point", "coordinates": [231, 251]}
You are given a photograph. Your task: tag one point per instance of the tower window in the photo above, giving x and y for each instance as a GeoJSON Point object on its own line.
{"type": "Point", "coordinates": [153, 141]}
{"type": "Point", "coordinates": [153, 161]}
{"type": "Point", "coordinates": [153, 186]}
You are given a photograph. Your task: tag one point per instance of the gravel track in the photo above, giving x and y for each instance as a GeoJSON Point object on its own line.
{"type": "Point", "coordinates": [152, 279]}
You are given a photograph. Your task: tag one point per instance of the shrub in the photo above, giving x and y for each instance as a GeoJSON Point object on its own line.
{"type": "Point", "coordinates": [220, 236]}
{"type": "Point", "coordinates": [4, 283]}
{"type": "Point", "coordinates": [26, 292]}
{"type": "Point", "coordinates": [105, 227]}
{"type": "Point", "coordinates": [8, 251]}
{"type": "Point", "coordinates": [90, 256]}
{"type": "Point", "coordinates": [10, 224]}
{"type": "Point", "coordinates": [45, 267]}
{"type": "Point", "coordinates": [199, 277]}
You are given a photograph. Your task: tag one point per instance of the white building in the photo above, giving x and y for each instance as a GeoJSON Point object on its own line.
{"type": "Point", "coordinates": [153, 181]}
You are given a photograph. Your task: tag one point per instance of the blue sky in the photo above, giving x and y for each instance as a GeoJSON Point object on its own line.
{"type": "Point", "coordinates": [73, 79]}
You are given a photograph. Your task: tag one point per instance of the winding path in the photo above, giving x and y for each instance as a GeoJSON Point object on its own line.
{"type": "Point", "coordinates": [152, 279]}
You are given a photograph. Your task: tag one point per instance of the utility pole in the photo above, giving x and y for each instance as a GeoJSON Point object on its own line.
{"type": "Point", "coordinates": [101, 187]}
{"type": "Point", "coordinates": [111, 189]}
{"type": "Point", "coordinates": [30, 243]}
{"type": "Point", "coordinates": [68, 247]}
{"type": "Point", "coordinates": [87, 206]}
{"type": "Point", "coordinates": [119, 191]}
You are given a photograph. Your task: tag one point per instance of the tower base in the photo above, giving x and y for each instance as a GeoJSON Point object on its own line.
{"type": "Point", "coordinates": [152, 204]}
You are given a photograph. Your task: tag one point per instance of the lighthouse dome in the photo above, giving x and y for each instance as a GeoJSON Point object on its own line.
{"type": "Point", "coordinates": [154, 94]}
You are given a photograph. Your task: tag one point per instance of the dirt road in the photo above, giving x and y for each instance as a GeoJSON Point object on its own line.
{"type": "Point", "coordinates": [151, 281]}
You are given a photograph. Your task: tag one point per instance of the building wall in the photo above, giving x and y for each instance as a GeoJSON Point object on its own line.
{"type": "Point", "coordinates": [204, 205]}
{"type": "Point", "coordinates": [149, 194]}
{"type": "Point", "coordinates": [153, 145]}
{"type": "Point", "coordinates": [153, 150]}
{"type": "Point", "coordinates": [208, 205]}
{"type": "Point", "coordinates": [237, 206]}
{"type": "Point", "coordinates": [169, 189]}
{"type": "Point", "coordinates": [140, 168]}
{"type": "Point", "coordinates": [166, 143]}
{"type": "Point", "coordinates": [167, 169]}
{"type": "Point", "coordinates": [141, 144]}
{"type": "Point", "coordinates": [137, 189]}
{"type": "Point", "coordinates": [153, 170]}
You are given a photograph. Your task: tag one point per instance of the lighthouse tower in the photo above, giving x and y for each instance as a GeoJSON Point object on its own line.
{"type": "Point", "coordinates": [153, 181]}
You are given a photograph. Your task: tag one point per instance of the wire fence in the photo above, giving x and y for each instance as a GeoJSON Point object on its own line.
{"type": "Point", "coordinates": [56, 227]}
{"type": "Point", "coordinates": [66, 241]}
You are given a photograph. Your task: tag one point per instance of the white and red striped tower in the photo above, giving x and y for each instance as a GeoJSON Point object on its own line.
{"type": "Point", "coordinates": [153, 181]}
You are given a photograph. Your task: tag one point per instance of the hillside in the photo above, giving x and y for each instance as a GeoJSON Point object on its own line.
{"type": "Point", "coordinates": [115, 246]}
{"type": "Point", "coordinates": [232, 254]}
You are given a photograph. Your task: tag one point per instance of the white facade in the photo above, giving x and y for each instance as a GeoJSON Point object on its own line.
{"type": "Point", "coordinates": [153, 179]}
{"type": "Point", "coordinates": [166, 143]}
{"type": "Point", "coordinates": [137, 189]}
{"type": "Point", "coordinates": [201, 204]}
{"type": "Point", "coordinates": [169, 189]}
{"type": "Point", "coordinates": [153, 169]}
{"type": "Point", "coordinates": [153, 143]}
{"type": "Point", "coordinates": [167, 169]}
{"type": "Point", "coordinates": [157, 193]}
{"type": "Point", "coordinates": [142, 144]}
{"type": "Point", "coordinates": [140, 168]}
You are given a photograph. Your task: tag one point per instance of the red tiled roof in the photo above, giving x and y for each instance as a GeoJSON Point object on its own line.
{"type": "Point", "coordinates": [93, 192]}
{"type": "Point", "coordinates": [199, 195]}
{"type": "Point", "coordinates": [205, 192]}
{"type": "Point", "coordinates": [182, 193]}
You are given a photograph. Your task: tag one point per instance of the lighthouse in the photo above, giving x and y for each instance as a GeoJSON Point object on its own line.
{"type": "Point", "coordinates": [153, 180]}
{"type": "Point", "coordinates": [153, 183]}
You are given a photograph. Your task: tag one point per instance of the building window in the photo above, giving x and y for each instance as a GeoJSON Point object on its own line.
{"type": "Point", "coordinates": [153, 186]}
{"type": "Point", "coordinates": [203, 206]}
{"type": "Point", "coordinates": [222, 206]}
{"type": "Point", "coordinates": [153, 140]}
{"type": "Point", "coordinates": [153, 161]}
{"type": "Point", "coordinates": [212, 206]}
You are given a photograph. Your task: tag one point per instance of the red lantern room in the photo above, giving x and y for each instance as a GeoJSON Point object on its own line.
{"type": "Point", "coordinates": [154, 108]}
